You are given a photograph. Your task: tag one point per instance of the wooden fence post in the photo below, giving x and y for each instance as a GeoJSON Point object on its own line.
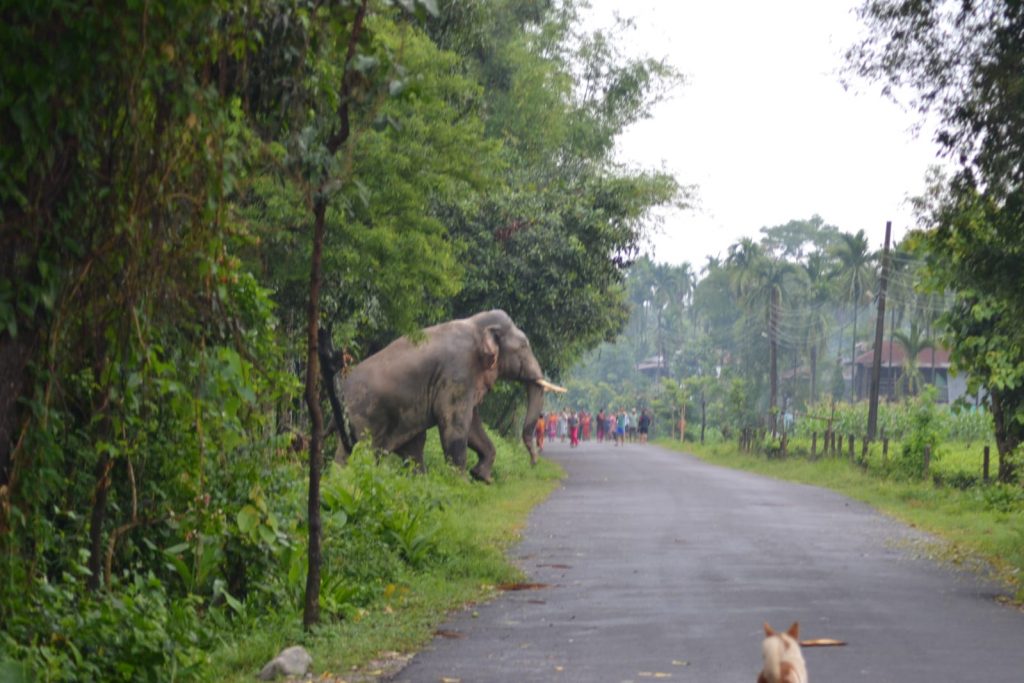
{"type": "Point", "coordinates": [984, 467]}
{"type": "Point", "coordinates": [864, 452]}
{"type": "Point", "coordinates": [850, 447]}
{"type": "Point", "coordinates": [927, 458]}
{"type": "Point", "coordinates": [885, 449]}
{"type": "Point", "coordinates": [814, 444]}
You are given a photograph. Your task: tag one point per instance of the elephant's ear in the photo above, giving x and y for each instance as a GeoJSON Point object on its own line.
{"type": "Point", "coordinates": [489, 347]}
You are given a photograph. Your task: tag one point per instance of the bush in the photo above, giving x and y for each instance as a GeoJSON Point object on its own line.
{"type": "Point", "coordinates": [895, 420]}
{"type": "Point", "coordinates": [924, 433]}
{"type": "Point", "coordinates": [1003, 498]}
{"type": "Point", "coordinates": [136, 633]}
{"type": "Point", "coordinates": [957, 480]}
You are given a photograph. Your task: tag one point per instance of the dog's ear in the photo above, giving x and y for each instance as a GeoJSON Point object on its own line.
{"type": "Point", "coordinates": [794, 630]}
{"type": "Point", "coordinates": [768, 630]}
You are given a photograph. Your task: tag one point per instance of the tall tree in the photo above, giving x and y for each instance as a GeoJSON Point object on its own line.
{"type": "Point", "coordinates": [553, 246]}
{"type": "Point", "coordinates": [762, 283]}
{"type": "Point", "coordinates": [855, 274]}
{"type": "Point", "coordinates": [913, 341]}
{"type": "Point", "coordinates": [962, 63]}
{"type": "Point", "coordinates": [818, 313]}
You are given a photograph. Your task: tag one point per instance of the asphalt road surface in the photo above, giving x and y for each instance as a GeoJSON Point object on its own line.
{"type": "Point", "coordinates": [657, 566]}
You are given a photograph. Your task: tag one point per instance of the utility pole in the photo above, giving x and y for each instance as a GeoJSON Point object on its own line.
{"type": "Point", "coordinates": [876, 366]}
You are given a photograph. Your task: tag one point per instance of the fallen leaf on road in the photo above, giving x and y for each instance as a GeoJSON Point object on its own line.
{"type": "Point", "coordinates": [822, 642]}
{"type": "Point", "coordinates": [522, 586]}
{"type": "Point", "coordinates": [680, 662]}
{"type": "Point", "coordinates": [446, 633]}
{"type": "Point", "coordinates": [654, 674]}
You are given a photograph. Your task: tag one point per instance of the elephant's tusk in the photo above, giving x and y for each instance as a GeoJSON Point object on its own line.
{"type": "Point", "coordinates": [548, 386]}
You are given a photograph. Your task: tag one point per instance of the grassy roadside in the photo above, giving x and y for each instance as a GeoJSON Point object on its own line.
{"type": "Point", "coordinates": [422, 546]}
{"type": "Point", "coordinates": [983, 524]}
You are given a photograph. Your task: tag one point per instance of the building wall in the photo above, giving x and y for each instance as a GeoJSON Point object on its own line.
{"type": "Point", "coordinates": [958, 387]}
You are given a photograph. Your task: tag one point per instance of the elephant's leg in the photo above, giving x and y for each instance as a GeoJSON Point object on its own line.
{"type": "Point", "coordinates": [413, 450]}
{"type": "Point", "coordinates": [481, 443]}
{"type": "Point", "coordinates": [454, 439]}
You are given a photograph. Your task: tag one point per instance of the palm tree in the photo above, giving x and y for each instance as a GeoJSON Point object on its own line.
{"type": "Point", "coordinates": [913, 342]}
{"type": "Point", "coordinates": [769, 283]}
{"type": "Point", "coordinates": [742, 262]}
{"type": "Point", "coordinates": [855, 273]}
{"type": "Point", "coordinates": [818, 320]}
{"type": "Point", "coordinates": [901, 291]}
{"type": "Point", "coordinates": [931, 305]}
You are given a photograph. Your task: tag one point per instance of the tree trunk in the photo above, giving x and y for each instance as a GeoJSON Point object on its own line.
{"type": "Point", "coordinates": [773, 369]}
{"type": "Point", "coordinates": [853, 353]}
{"type": "Point", "coordinates": [703, 415]}
{"type": "Point", "coordinates": [1007, 434]}
{"type": "Point", "coordinates": [814, 375]}
{"type": "Point", "coordinates": [311, 609]}
{"type": "Point", "coordinates": [96, 520]}
{"type": "Point", "coordinates": [15, 357]}
{"type": "Point", "coordinates": [892, 377]}
{"type": "Point", "coordinates": [929, 335]}
{"type": "Point", "coordinates": [329, 369]}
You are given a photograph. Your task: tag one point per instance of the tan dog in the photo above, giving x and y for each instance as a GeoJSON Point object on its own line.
{"type": "Point", "coordinates": [783, 661]}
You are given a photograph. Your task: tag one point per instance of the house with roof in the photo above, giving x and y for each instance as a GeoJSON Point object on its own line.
{"type": "Point", "coordinates": [653, 367]}
{"type": "Point", "coordinates": [933, 365]}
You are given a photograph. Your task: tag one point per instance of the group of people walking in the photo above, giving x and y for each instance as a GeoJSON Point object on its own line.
{"type": "Point", "coordinates": [580, 425]}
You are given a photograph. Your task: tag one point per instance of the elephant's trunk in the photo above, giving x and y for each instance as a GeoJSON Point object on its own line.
{"type": "Point", "coordinates": [534, 404]}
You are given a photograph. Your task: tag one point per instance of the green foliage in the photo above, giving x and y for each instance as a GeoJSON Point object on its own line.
{"type": "Point", "coordinates": [62, 633]}
{"type": "Point", "coordinates": [163, 167]}
{"type": "Point", "coordinates": [1002, 498]}
{"type": "Point", "coordinates": [924, 433]}
{"type": "Point", "coordinates": [960, 62]}
{"type": "Point", "coordinates": [895, 420]}
{"type": "Point", "coordinates": [551, 248]}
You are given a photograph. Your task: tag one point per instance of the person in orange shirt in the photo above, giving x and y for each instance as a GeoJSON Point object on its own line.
{"type": "Point", "coordinates": [539, 432]}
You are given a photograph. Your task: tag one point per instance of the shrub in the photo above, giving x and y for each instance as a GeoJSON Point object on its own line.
{"type": "Point", "coordinates": [1003, 498]}
{"type": "Point", "coordinates": [924, 432]}
{"type": "Point", "coordinates": [134, 634]}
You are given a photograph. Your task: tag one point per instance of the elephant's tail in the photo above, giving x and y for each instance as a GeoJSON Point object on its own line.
{"type": "Point", "coordinates": [329, 370]}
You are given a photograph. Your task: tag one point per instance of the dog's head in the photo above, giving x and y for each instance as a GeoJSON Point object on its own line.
{"type": "Point", "coordinates": [793, 633]}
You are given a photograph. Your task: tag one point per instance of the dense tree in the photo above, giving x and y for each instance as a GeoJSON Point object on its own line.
{"type": "Point", "coordinates": [961, 64]}
{"type": "Point", "coordinates": [854, 273]}
{"type": "Point", "coordinates": [768, 285]}
{"type": "Point", "coordinates": [553, 249]}
{"type": "Point", "coordinates": [173, 176]}
{"type": "Point", "coordinates": [797, 239]}
{"type": "Point", "coordinates": [759, 319]}
{"type": "Point", "coordinates": [818, 320]}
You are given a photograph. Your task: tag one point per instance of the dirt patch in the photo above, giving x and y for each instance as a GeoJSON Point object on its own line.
{"type": "Point", "coordinates": [522, 586]}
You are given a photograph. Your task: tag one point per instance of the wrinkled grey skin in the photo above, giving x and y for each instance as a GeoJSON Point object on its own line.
{"type": "Point", "coordinates": [403, 390]}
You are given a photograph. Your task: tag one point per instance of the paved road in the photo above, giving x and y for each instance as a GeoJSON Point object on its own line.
{"type": "Point", "coordinates": [661, 567]}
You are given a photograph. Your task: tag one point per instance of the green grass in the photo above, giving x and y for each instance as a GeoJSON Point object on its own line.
{"type": "Point", "coordinates": [979, 526]}
{"type": "Point", "coordinates": [452, 552]}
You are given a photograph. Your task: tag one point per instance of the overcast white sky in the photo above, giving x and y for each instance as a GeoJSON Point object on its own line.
{"type": "Point", "coordinates": [763, 127]}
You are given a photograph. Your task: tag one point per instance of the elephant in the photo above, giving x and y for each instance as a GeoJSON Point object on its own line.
{"type": "Point", "coordinates": [409, 386]}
